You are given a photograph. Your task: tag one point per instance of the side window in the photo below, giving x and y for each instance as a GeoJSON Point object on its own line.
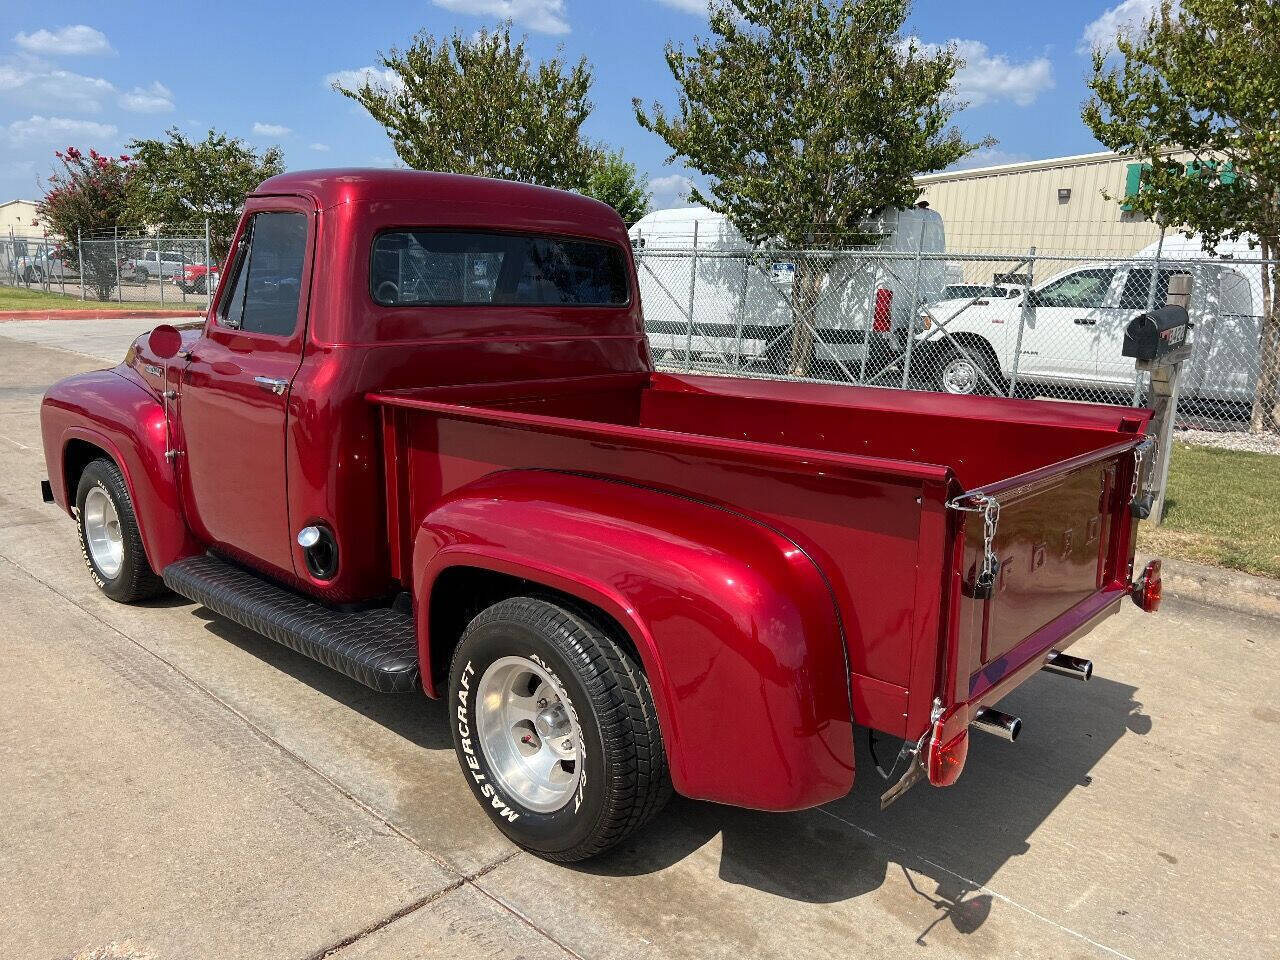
{"type": "Point", "coordinates": [1137, 288]}
{"type": "Point", "coordinates": [268, 275]}
{"type": "Point", "coordinates": [1084, 289]}
{"type": "Point", "coordinates": [1237, 295]}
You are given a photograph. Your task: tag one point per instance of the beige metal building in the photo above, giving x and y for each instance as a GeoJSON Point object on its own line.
{"type": "Point", "coordinates": [16, 216]}
{"type": "Point", "coordinates": [1056, 205]}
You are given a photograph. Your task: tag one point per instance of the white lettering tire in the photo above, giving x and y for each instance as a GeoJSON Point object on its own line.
{"type": "Point", "coordinates": [554, 727]}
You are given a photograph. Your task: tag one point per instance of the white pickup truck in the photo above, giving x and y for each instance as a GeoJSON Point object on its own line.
{"type": "Point", "coordinates": [1072, 329]}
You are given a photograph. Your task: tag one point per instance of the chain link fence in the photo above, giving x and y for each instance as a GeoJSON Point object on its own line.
{"type": "Point", "coordinates": [1013, 324]}
{"type": "Point", "coordinates": [124, 265]}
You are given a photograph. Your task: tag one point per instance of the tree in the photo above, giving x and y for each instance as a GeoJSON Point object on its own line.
{"type": "Point", "coordinates": [479, 106]}
{"type": "Point", "coordinates": [89, 196]}
{"type": "Point", "coordinates": [1205, 77]}
{"type": "Point", "coordinates": [613, 180]}
{"type": "Point", "coordinates": [180, 181]}
{"type": "Point", "coordinates": [808, 117]}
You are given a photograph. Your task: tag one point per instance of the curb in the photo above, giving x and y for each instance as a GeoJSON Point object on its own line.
{"type": "Point", "coordinates": [94, 313]}
{"type": "Point", "coordinates": [1217, 587]}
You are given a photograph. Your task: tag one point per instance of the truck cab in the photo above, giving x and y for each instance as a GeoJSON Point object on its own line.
{"type": "Point", "coordinates": [418, 437]}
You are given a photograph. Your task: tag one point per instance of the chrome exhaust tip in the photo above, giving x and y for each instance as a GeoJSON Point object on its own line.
{"type": "Point", "coordinates": [997, 724]}
{"type": "Point", "coordinates": [1068, 665]}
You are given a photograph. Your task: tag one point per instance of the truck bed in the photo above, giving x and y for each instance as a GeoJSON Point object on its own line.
{"type": "Point", "coordinates": [882, 489]}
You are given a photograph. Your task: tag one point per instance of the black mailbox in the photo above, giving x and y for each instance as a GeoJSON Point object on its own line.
{"type": "Point", "coordinates": [1162, 336]}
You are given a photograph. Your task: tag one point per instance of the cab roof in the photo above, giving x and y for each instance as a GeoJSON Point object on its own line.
{"type": "Point", "coordinates": [329, 188]}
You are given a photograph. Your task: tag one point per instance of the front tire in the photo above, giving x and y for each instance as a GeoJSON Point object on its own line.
{"type": "Point", "coordinates": [971, 373]}
{"type": "Point", "coordinates": [110, 540]}
{"type": "Point", "coordinates": [554, 726]}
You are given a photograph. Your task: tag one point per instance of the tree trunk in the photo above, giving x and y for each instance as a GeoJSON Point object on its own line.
{"type": "Point", "coordinates": [805, 289]}
{"type": "Point", "coordinates": [1265, 415]}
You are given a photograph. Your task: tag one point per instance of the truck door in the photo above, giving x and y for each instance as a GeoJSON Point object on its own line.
{"type": "Point", "coordinates": [1059, 341]}
{"type": "Point", "coordinates": [235, 388]}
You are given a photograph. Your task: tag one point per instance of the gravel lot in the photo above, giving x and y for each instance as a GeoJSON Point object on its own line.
{"type": "Point", "coordinates": [176, 787]}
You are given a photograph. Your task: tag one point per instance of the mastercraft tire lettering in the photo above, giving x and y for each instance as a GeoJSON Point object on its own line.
{"type": "Point", "coordinates": [555, 730]}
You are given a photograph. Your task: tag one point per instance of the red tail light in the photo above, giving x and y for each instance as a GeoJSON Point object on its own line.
{"type": "Point", "coordinates": [948, 750]}
{"type": "Point", "coordinates": [1146, 591]}
{"type": "Point", "coordinates": [882, 321]}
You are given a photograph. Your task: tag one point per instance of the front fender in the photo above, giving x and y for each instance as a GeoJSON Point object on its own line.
{"type": "Point", "coordinates": [118, 416]}
{"type": "Point", "coordinates": [735, 625]}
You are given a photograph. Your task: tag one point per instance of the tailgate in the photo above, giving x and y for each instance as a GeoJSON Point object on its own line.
{"type": "Point", "coordinates": [1035, 550]}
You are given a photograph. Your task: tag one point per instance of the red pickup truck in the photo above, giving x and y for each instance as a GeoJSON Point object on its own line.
{"type": "Point", "coordinates": [419, 438]}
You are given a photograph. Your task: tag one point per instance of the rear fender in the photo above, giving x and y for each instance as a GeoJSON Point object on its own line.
{"type": "Point", "coordinates": [118, 416]}
{"type": "Point", "coordinates": [734, 624]}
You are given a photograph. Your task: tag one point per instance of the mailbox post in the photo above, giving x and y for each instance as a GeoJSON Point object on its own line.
{"type": "Point", "coordinates": [1160, 342]}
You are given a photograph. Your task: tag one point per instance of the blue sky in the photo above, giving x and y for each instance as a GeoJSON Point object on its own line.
{"type": "Point", "coordinates": [98, 74]}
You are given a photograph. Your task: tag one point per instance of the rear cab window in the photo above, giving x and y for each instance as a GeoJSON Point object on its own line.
{"type": "Point", "coordinates": [428, 267]}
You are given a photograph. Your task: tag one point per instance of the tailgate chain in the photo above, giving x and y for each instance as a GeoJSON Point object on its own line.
{"type": "Point", "coordinates": [989, 507]}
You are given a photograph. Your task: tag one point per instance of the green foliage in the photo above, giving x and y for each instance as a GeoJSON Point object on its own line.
{"type": "Point", "coordinates": [180, 182]}
{"type": "Point", "coordinates": [808, 117]}
{"type": "Point", "coordinates": [478, 106]}
{"type": "Point", "coordinates": [616, 182]}
{"type": "Point", "coordinates": [1204, 77]}
{"type": "Point", "coordinates": [89, 196]}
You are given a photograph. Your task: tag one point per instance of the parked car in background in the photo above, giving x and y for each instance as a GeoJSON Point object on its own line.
{"type": "Point", "coordinates": [162, 264]}
{"type": "Point", "coordinates": [44, 264]}
{"type": "Point", "coordinates": [1068, 331]}
{"type": "Point", "coordinates": [197, 278]}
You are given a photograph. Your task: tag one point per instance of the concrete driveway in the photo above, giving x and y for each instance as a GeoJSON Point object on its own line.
{"type": "Point", "coordinates": [172, 786]}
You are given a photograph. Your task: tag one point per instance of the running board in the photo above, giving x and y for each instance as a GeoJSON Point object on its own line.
{"type": "Point", "coordinates": [378, 647]}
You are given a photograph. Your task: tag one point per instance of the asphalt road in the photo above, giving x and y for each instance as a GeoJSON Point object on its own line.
{"type": "Point", "coordinates": [172, 786]}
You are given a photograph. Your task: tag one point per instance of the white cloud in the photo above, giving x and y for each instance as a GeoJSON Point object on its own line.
{"type": "Point", "coordinates": [270, 130]}
{"type": "Point", "coordinates": [541, 16]}
{"type": "Point", "coordinates": [156, 98]}
{"type": "Point", "coordinates": [320, 147]}
{"type": "Point", "coordinates": [987, 77]}
{"type": "Point", "coordinates": [66, 41]}
{"type": "Point", "coordinates": [989, 157]}
{"type": "Point", "coordinates": [36, 82]}
{"type": "Point", "coordinates": [356, 78]}
{"type": "Point", "coordinates": [670, 191]}
{"type": "Point", "coordinates": [40, 129]}
{"type": "Point", "coordinates": [687, 6]}
{"type": "Point", "coordinates": [1123, 18]}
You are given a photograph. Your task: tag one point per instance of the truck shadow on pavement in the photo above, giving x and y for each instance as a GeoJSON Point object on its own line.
{"type": "Point", "coordinates": [948, 843]}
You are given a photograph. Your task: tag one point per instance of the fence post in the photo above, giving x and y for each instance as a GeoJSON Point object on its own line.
{"type": "Point", "coordinates": [915, 306]}
{"type": "Point", "coordinates": [160, 267]}
{"type": "Point", "coordinates": [742, 309]}
{"type": "Point", "coordinates": [1151, 302]}
{"type": "Point", "coordinates": [1022, 319]}
{"type": "Point", "coordinates": [693, 280]}
{"type": "Point", "coordinates": [119, 292]}
{"type": "Point", "coordinates": [871, 313]}
{"type": "Point", "coordinates": [80, 260]}
{"type": "Point", "coordinates": [208, 267]}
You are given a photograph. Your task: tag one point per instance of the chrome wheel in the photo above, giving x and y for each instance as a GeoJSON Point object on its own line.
{"type": "Point", "coordinates": [102, 533]}
{"type": "Point", "coordinates": [960, 376]}
{"type": "Point", "coordinates": [529, 733]}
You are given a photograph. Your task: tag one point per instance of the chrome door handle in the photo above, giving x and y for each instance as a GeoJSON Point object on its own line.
{"type": "Point", "coordinates": [278, 387]}
{"type": "Point", "coordinates": [1085, 321]}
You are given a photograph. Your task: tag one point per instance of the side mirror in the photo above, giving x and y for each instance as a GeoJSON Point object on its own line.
{"type": "Point", "coordinates": [165, 341]}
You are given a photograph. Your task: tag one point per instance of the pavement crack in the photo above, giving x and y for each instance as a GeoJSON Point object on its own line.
{"type": "Point", "coordinates": [386, 921]}
{"type": "Point", "coordinates": [460, 878]}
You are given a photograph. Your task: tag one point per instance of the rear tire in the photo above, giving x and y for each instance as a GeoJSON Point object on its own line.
{"type": "Point", "coordinates": [554, 726]}
{"type": "Point", "coordinates": [110, 540]}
